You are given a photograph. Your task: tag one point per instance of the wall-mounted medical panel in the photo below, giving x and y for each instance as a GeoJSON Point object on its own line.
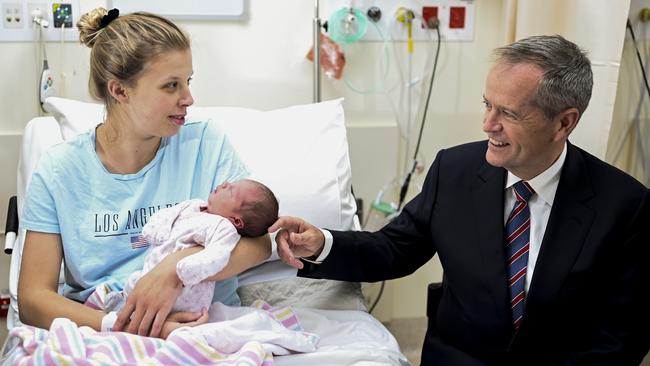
{"type": "Point", "coordinates": [388, 19]}
{"type": "Point", "coordinates": [29, 20]}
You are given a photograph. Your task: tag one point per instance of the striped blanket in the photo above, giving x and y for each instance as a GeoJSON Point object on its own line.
{"type": "Point", "coordinates": [234, 336]}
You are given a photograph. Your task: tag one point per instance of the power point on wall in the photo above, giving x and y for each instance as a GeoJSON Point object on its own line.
{"type": "Point", "coordinates": [12, 16]}
{"type": "Point", "coordinates": [56, 18]}
{"type": "Point", "coordinates": [430, 17]}
{"type": "Point", "coordinates": [457, 17]}
{"type": "Point", "coordinates": [37, 13]}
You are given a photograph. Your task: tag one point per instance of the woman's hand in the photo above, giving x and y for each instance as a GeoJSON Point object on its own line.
{"type": "Point", "coordinates": [153, 297]}
{"type": "Point", "coordinates": [183, 319]}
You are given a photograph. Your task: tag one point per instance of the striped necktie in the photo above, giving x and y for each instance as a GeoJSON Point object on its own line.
{"type": "Point", "coordinates": [517, 245]}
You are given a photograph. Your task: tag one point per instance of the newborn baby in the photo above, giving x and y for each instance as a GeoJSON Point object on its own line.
{"type": "Point", "coordinates": [242, 208]}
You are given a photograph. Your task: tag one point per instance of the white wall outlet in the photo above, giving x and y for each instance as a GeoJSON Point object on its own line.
{"type": "Point", "coordinates": [37, 10]}
{"type": "Point", "coordinates": [12, 16]}
{"type": "Point", "coordinates": [53, 13]}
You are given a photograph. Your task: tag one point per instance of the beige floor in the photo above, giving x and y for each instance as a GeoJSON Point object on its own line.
{"type": "Point", "coordinates": [409, 333]}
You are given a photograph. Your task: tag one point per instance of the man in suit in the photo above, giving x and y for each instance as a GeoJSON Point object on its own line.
{"type": "Point", "coordinates": [542, 244]}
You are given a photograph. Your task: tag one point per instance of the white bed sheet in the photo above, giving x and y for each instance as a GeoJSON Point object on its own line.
{"type": "Point", "coordinates": [348, 337]}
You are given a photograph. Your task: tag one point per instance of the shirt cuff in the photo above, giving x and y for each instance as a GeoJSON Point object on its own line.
{"type": "Point", "coordinates": [274, 248]}
{"type": "Point", "coordinates": [108, 321]}
{"type": "Point", "coordinates": [329, 240]}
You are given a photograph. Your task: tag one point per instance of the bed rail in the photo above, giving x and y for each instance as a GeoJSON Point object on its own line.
{"type": "Point", "coordinates": [11, 226]}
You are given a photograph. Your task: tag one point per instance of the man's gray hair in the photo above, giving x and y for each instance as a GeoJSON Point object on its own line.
{"type": "Point", "coordinates": [567, 78]}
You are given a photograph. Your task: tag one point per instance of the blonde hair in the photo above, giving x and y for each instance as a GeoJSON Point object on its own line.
{"type": "Point", "coordinates": [121, 49]}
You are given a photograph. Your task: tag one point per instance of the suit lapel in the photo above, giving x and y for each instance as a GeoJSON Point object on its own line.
{"type": "Point", "coordinates": [565, 233]}
{"type": "Point", "coordinates": [488, 196]}
{"type": "Point", "coordinates": [566, 230]}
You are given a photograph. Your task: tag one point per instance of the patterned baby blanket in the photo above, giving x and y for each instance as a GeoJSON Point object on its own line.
{"type": "Point", "coordinates": [233, 336]}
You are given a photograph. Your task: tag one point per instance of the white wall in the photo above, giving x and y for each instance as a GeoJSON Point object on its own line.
{"type": "Point", "coordinates": [598, 26]}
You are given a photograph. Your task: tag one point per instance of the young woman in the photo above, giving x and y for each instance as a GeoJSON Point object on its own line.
{"type": "Point", "coordinates": [89, 197]}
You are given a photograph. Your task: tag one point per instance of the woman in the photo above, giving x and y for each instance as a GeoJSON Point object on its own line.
{"type": "Point", "coordinates": [89, 197]}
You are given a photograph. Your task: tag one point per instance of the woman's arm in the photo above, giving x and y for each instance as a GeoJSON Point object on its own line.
{"type": "Point", "coordinates": [38, 294]}
{"type": "Point", "coordinates": [247, 253]}
{"type": "Point", "coordinates": [154, 295]}
{"type": "Point", "coordinates": [38, 282]}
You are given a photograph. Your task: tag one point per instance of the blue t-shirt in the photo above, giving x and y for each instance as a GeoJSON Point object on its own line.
{"type": "Point", "coordinates": [100, 215]}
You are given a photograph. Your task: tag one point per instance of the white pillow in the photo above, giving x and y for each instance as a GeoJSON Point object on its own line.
{"type": "Point", "coordinates": [74, 116]}
{"type": "Point", "coordinates": [300, 152]}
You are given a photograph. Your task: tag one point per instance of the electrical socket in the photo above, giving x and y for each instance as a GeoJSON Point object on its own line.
{"type": "Point", "coordinates": [12, 16]}
{"type": "Point", "coordinates": [23, 31]}
{"type": "Point", "coordinates": [37, 9]}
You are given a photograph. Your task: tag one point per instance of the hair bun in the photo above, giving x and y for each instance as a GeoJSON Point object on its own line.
{"type": "Point", "coordinates": [90, 24]}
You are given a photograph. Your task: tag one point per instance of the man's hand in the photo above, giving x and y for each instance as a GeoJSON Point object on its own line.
{"type": "Point", "coordinates": [183, 319]}
{"type": "Point", "coordinates": [297, 238]}
{"type": "Point", "coordinates": [148, 305]}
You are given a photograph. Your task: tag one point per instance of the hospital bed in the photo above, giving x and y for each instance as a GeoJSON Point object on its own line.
{"type": "Point", "coordinates": [310, 137]}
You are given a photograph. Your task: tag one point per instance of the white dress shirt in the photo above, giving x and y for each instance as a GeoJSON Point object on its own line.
{"type": "Point", "coordinates": [545, 185]}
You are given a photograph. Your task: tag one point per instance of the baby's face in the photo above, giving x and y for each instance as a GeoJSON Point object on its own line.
{"type": "Point", "coordinates": [227, 198]}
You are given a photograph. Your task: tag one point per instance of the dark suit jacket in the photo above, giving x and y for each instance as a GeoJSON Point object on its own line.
{"type": "Point", "coordinates": [585, 305]}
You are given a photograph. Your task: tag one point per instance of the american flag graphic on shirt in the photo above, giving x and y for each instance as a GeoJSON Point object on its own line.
{"type": "Point", "coordinates": [138, 241]}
